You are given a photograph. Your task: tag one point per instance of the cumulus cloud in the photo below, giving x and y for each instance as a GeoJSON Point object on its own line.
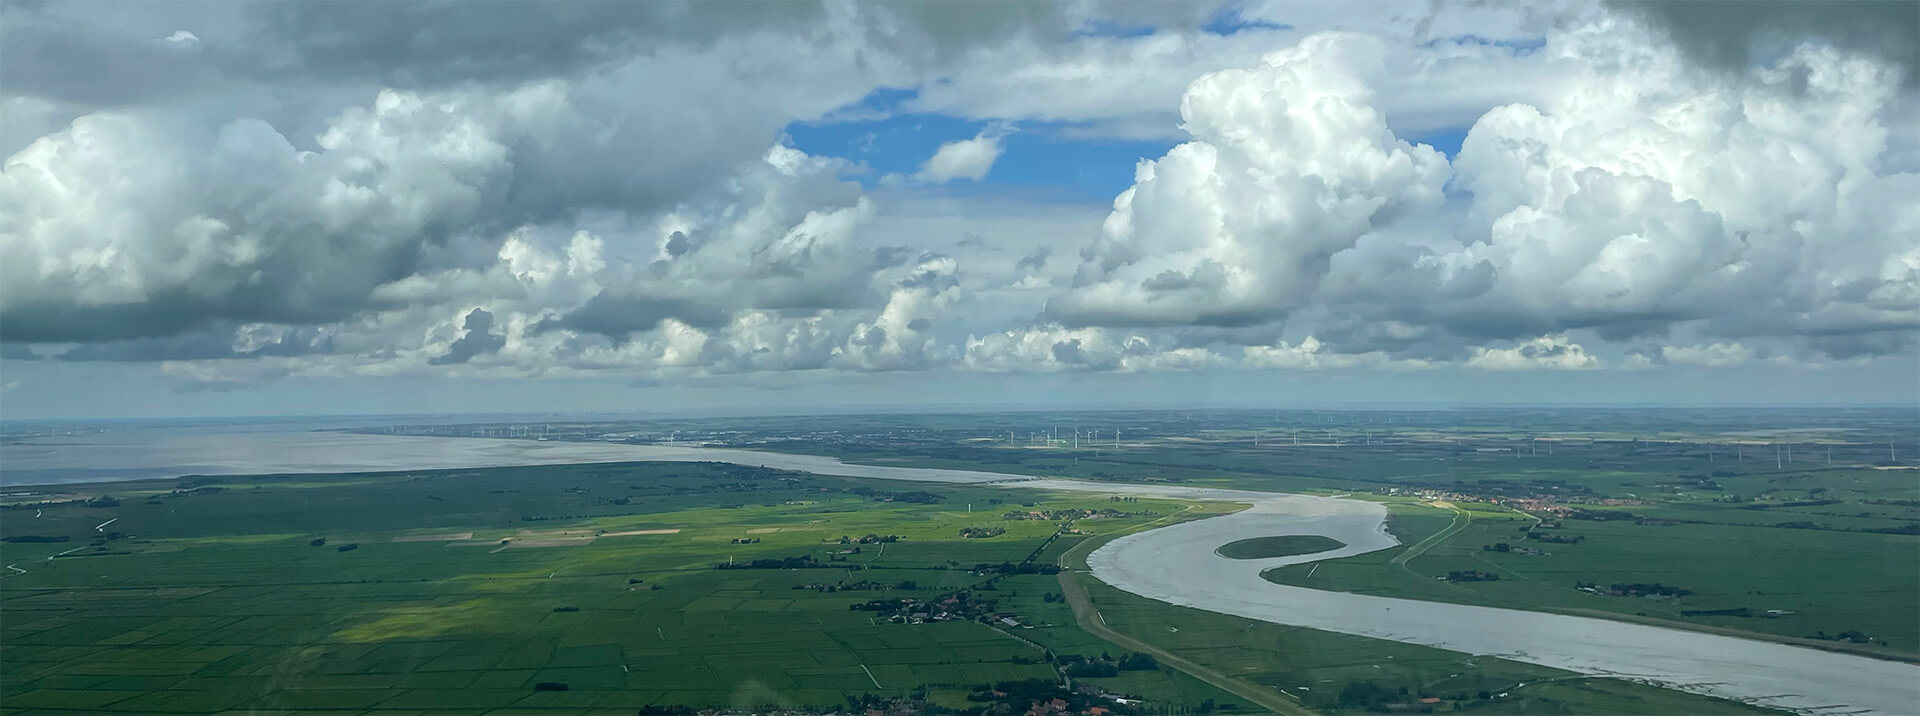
{"type": "Point", "coordinates": [1289, 165]}
{"type": "Point", "coordinates": [1640, 199]}
{"type": "Point", "coordinates": [901, 337]}
{"type": "Point", "coordinates": [969, 159]}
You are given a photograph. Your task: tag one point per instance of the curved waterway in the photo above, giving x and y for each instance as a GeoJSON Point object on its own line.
{"type": "Point", "coordinates": [1174, 564]}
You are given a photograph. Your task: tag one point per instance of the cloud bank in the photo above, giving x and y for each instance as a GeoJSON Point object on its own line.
{"type": "Point", "coordinates": [233, 192]}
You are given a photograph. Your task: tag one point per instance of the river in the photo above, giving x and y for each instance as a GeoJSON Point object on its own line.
{"type": "Point", "coordinates": [1174, 564]}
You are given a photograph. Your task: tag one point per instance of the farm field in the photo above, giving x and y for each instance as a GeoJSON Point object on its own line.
{"type": "Point", "coordinates": [602, 578]}
{"type": "Point", "coordinates": [482, 590]}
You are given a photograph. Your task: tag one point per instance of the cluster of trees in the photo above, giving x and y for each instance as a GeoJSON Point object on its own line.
{"type": "Point", "coordinates": [1601, 515]}
{"type": "Point", "coordinates": [1371, 696]}
{"type": "Point", "coordinates": [918, 497]}
{"type": "Point", "coordinates": [982, 532]}
{"type": "Point", "coordinates": [1696, 482]}
{"type": "Point", "coordinates": [1024, 696]}
{"type": "Point", "coordinates": [863, 703]}
{"type": "Point", "coordinates": [1064, 514]}
{"type": "Point", "coordinates": [1793, 503]}
{"type": "Point", "coordinates": [881, 605]}
{"type": "Point", "coordinates": [1556, 539]}
{"type": "Point", "coordinates": [1011, 568]}
{"type": "Point", "coordinates": [1734, 612]}
{"type": "Point", "coordinates": [871, 538]}
{"type": "Point", "coordinates": [1638, 589]}
{"type": "Point", "coordinates": [1106, 665]}
{"type": "Point", "coordinates": [908, 585]}
{"type": "Point", "coordinates": [1852, 635]}
{"type": "Point", "coordinates": [1374, 697]}
{"type": "Point", "coordinates": [805, 561]}
{"type": "Point", "coordinates": [1472, 575]}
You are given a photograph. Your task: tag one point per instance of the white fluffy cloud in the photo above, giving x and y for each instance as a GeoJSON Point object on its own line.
{"type": "Point", "coordinates": [1642, 197]}
{"type": "Point", "coordinates": [1289, 165]}
{"type": "Point", "coordinates": [1758, 205]}
{"type": "Point", "coordinates": [963, 159]}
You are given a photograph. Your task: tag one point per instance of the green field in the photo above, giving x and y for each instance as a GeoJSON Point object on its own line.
{"type": "Point", "coordinates": [1283, 546]}
{"type": "Point", "coordinates": [218, 599]}
{"type": "Point", "coordinates": [464, 590]}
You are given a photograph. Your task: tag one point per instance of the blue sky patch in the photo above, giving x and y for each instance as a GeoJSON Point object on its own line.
{"type": "Point", "coordinates": [1034, 154]}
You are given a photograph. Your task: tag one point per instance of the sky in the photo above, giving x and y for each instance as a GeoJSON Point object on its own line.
{"type": "Point", "coordinates": [305, 208]}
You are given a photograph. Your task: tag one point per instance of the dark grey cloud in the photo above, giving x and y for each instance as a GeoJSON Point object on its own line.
{"type": "Point", "coordinates": [1033, 262]}
{"type": "Point", "coordinates": [887, 257]}
{"type": "Point", "coordinates": [114, 53]}
{"type": "Point", "coordinates": [1737, 34]}
{"type": "Point", "coordinates": [223, 342]}
{"type": "Point", "coordinates": [620, 313]}
{"type": "Point", "coordinates": [478, 340]}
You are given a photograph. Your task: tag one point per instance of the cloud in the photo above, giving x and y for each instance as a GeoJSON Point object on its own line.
{"type": "Point", "coordinates": [477, 340]}
{"type": "Point", "coordinates": [1733, 36]}
{"type": "Point", "coordinates": [901, 337]}
{"type": "Point", "coordinates": [253, 340]}
{"type": "Point", "coordinates": [1055, 348]}
{"type": "Point", "coordinates": [1288, 165]}
{"type": "Point", "coordinates": [1713, 354]}
{"type": "Point", "coordinates": [1545, 352]}
{"type": "Point", "coordinates": [1310, 353]}
{"type": "Point", "coordinates": [251, 192]}
{"type": "Point", "coordinates": [1035, 261]}
{"type": "Point", "coordinates": [1630, 203]}
{"type": "Point", "coordinates": [969, 159]}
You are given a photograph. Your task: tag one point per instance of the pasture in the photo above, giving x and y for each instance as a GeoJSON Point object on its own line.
{"type": "Point", "coordinates": [465, 589]}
